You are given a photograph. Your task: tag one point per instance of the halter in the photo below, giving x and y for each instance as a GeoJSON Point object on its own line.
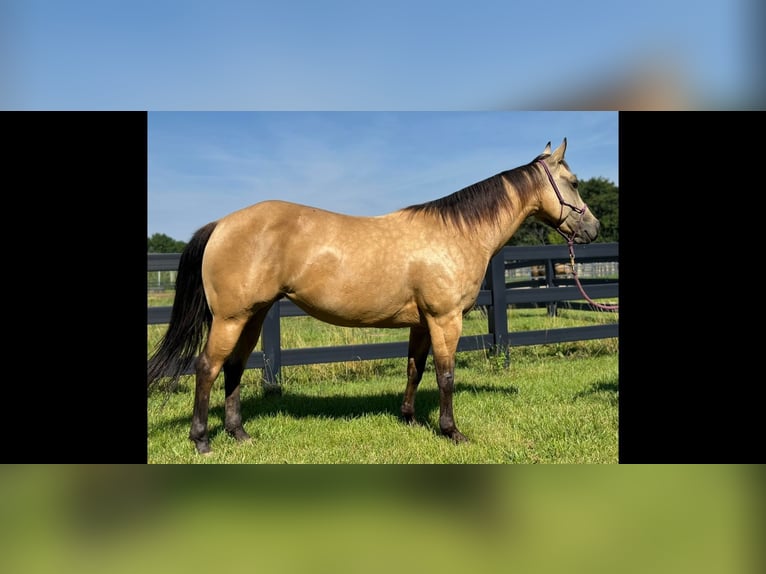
{"type": "Point", "coordinates": [580, 210]}
{"type": "Point", "coordinates": [570, 239]}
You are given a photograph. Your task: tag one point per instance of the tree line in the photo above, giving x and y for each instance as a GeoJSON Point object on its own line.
{"type": "Point", "coordinates": [600, 194]}
{"type": "Point", "coordinates": [161, 243]}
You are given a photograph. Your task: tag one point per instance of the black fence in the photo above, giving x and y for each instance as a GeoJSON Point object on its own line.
{"type": "Point", "coordinates": [505, 284]}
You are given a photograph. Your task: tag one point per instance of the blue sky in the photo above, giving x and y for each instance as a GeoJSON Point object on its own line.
{"type": "Point", "coordinates": [203, 165]}
{"type": "Point", "coordinates": [363, 55]}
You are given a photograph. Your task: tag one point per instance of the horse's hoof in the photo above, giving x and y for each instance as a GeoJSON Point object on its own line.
{"type": "Point", "coordinates": [240, 435]}
{"type": "Point", "coordinates": [409, 418]}
{"type": "Point", "coordinates": [203, 447]}
{"type": "Point", "coordinates": [458, 437]}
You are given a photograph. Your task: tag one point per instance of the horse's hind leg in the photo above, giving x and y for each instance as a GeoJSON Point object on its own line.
{"type": "Point", "coordinates": [232, 374]}
{"type": "Point", "coordinates": [419, 345]}
{"type": "Point", "coordinates": [222, 339]}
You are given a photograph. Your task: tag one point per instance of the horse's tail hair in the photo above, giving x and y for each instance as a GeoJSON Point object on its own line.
{"type": "Point", "coordinates": [190, 318]}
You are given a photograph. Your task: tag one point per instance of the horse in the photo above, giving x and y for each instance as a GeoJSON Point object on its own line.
{"type": "Point", "coordinates": [420, 267]}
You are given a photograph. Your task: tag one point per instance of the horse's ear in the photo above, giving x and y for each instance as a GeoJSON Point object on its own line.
{"type": "Point", "coordinates": [558, 155]}
{"type": "Point", "coordinates": [547, 150]}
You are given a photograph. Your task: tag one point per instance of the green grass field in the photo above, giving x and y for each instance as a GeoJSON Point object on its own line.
{"type": "Point", "coordinates": [556, 403]}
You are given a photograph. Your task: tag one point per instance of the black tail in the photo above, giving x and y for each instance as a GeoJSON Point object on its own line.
{"type": "Point", "coordinates": [190, 318]}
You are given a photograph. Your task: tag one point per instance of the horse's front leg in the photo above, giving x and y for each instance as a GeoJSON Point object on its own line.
{"type": "Point", "coordinates": [445, 333]}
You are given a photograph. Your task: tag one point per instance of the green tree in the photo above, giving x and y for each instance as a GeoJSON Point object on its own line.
{"type": "Point", "coordinates": [161, 243]}
{"type": "Point", "coordinates": [531, 232]}
{"type": "Point", "coordinates": [602, 197]}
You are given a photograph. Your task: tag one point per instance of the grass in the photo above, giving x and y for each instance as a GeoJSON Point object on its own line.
{"type": "Point", "coordinates": [556, 403]}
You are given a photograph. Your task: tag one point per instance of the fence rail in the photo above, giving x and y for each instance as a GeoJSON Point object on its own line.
{"type": "Point", "coordinates": [501, 289]}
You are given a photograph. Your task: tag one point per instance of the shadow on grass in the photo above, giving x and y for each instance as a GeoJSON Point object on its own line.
{"type": "Point", "coordinates": [604, 388]}
{"type": "Point", "coordinates": [298, 405]}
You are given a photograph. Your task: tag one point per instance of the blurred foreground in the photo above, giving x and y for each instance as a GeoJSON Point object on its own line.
{"type": "Point", "coordinates": [79, 519]}
{"type": "Point", "coordinates": [487, 55]}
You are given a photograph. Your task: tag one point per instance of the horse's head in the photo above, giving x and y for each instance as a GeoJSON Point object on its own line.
{"type": "Point", "coordinates": [562, 207]}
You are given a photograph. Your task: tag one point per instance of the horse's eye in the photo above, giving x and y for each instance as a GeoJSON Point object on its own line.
{"type": "Point", "coordinates": [574, 184]}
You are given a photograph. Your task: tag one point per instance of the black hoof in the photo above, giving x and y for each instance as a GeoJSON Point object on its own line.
{"type": "Point", "coordinates": [456, 436]}
{"type": "Point", "coordinates": [203, 446]}
{"type": "Point", "coordinates": [239, 434]}
{"type": "Point", "coordinates": [409, 418]}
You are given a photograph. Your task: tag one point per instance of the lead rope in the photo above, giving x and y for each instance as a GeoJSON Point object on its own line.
{"type": "Point", "coordinates": [570, 240]}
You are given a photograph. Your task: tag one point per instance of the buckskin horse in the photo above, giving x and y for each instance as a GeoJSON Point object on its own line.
{"type": "Point", "coordinates": [420, 267]}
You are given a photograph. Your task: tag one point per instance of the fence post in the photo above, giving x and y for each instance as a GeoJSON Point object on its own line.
{"type": "Point", "coordinates": [497, 317]}
{"type": "Point", "coordinates": [271, 338]}
{"type": "Point", "coordinates": [550, 281]}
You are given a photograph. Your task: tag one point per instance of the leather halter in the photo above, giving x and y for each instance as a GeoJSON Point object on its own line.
{"type": "Point", "coordinates": [580, 210]}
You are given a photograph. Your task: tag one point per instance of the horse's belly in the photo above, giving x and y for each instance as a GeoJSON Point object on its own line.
{"type": "Point", "coordinates": [362, 313]}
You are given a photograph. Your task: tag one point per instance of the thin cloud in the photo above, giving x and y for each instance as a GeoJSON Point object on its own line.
{"type": "Point", "coordinates": [203, 166]}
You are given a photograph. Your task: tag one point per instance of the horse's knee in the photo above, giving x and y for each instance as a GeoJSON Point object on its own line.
{"type": "Point", "coordinates": [446, 383]}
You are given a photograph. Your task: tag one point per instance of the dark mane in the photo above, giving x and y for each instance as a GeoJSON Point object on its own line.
{"type": "Point", "coordinates": [483, 201]}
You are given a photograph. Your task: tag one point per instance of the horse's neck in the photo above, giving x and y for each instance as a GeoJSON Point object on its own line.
{"type": "Point", "coordinates": [494, 237]}
{"type": "Point", "coordinates": [511, 220]}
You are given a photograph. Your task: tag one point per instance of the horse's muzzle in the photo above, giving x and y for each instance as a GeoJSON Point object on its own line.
{"type": "Point", "coordinates": [587, 232]}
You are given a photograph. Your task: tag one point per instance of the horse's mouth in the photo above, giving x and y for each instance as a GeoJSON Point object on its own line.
{"type": "Point", "coordinates": [586, 235]}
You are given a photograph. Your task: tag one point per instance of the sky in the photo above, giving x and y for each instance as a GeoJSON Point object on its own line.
{"type": "Point", "coordinates": [203, 165]}
{"type": "Point", "coordinates": [364, 55]}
